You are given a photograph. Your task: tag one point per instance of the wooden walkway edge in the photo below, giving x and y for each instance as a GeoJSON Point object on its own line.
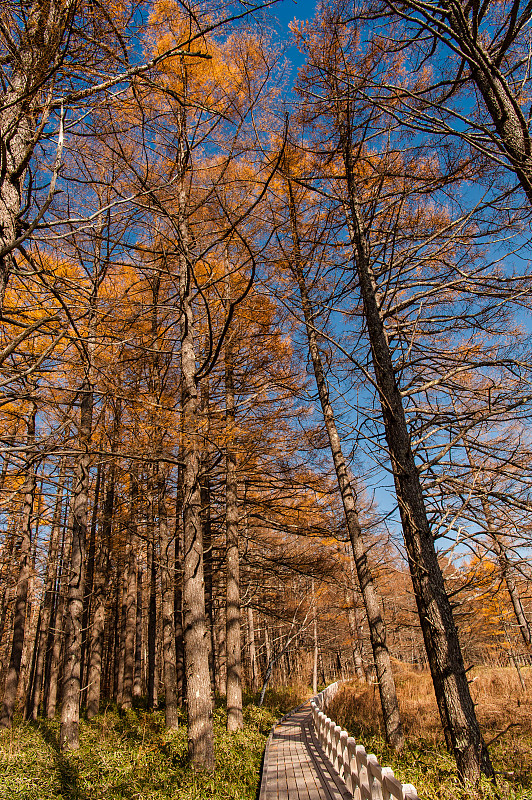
{"type": "Point", "coordinates": [295, 766]}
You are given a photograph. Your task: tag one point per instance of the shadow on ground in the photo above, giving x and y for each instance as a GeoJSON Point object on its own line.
{"type": "Point", "coordinates": [67, 770]}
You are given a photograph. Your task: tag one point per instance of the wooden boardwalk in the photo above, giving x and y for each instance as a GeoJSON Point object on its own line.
{"type": "Point", "coordinates": [295, 767]}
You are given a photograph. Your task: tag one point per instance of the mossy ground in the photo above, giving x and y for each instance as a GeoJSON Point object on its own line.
{"type": "Point", "coordinates": [130, 756]}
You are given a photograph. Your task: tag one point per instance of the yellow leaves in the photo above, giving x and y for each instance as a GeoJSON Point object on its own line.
{"type": "Point", "coordinates": [220, 82]}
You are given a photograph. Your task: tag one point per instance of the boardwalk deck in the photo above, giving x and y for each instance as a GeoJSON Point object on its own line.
{"type": "Point", "coordinates": [295, 767]}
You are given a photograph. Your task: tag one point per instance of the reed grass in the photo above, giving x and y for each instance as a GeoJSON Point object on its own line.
{"type": "Point", "coordinates": [504, 710]}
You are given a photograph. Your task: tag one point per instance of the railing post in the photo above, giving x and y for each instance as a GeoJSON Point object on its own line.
{"type": "Point", "coordinates": [342, 752]}
{"type": "Point", "coordinates": [336, 752]}
{"type": "Point", "coordinates": [363, 775]}
{"type": "Point", "coordinates": [362, 772]}
{"type": "Point", "coordinates": [352, 774]}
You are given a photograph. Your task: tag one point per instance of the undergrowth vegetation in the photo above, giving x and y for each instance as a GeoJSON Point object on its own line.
{"type": "Point", "coordinates": [130, 756]}
{"type": "Point", "coordinates": [505, 714]}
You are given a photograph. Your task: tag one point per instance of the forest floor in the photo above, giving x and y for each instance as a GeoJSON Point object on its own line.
{"type": "Point", "coordinates": [504, 709]}
{"type": "Point", "coordinates": [130, 756]}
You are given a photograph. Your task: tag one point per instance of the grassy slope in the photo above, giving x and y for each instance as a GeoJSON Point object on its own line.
{"type": "Point", "coordinates": [505, 714]}
{"type": "Point", "coordinates": [132, 756]}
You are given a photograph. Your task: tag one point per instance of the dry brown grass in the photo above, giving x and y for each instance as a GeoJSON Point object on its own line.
{"type": "Point", "coordinates": [504, 710]}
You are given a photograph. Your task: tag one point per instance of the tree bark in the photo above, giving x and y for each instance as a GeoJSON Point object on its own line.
{"type": "Point", "coordinates": [48, 594]}
{"type": "Point", "coordinates": [358, 662]}
{"type": "Point", "coordinates": [220, 676]}
{"type": "Point", "coordinates": [316, 647]}
{"type": "Point", "coordinates": [198, 688]}
{"type": "Point", "coordinates": [58, 623]}
{"type": "Point", "coordinates": [101, 578]}
{"type": "Point", "coordinates": [89, 582]}
{"type": "Point", "coordinates": [70, 707]}
{"type": "Point", "coordinates": [101, 581]}
{"type": "Point", "coordinates": [207, 527]}
{"type": "Point", "coordinates": [152, 612]}
{"type": "Point", "coordinates": [23, 116]}
{"type": "Point", "coordinates": [376, 623]}
{"type": "Point", "coordinates": [167, 548]}
{"type": "Point", "coordinates": [178, 613]}
{"type": "Point", "coordinates": [437, 623]}
{"type": "Point", "coordinates": [139, 672]}
{"type": "Point", "coordinates": [235, 720]}
{"type": "Point", "coordinates": [254, 667]}
{"type": "Point", "coordinates": [130, 595]}
{"type": "Point", "coordinates": [21, 596]}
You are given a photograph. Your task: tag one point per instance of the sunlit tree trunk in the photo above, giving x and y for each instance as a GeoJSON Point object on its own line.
{"type": "Point", "coordinates": [316, 647]}
{"type": "Point", "coordinates": [232, 619]}
{"type": "Point", "coordinates": [207, 526]}
{"type": "Point", "coordinates": [71, 690]}
{"type": "Point", "coordinates": [372, 604]}
{"type": "Point", "coordinates": [152, 610]}
{"type": "Point", "coordinates": [34, 58]}
{"type": "Point", "coordinates": [130, 594]}
{"type": "Point", "coordinates": [6, 591]}
{"type": "Point", "coordinates": [48, 594]}
{"type": "Point", "coordinates": [167, 548]}
{"type": "Point", "coordinates": [254, 666]}
{"type": "Point", "coordinates": [21, 595]}
{"type": "Point", "coordinates": [58, 621]}
{"type": "Point", "coordinates": [101, 582]}
{"type": "Point", "coordinates": [138, 680]}
{"type": "Point", "coordinates": [220, 674]}
{"type": "Point", "coordinates": [437, 623]}
{"type": "Point", "coordinates": [198, 688]}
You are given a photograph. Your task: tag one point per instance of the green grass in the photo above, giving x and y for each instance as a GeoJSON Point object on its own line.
{"type": "Point", "coordinates": [131, 756]}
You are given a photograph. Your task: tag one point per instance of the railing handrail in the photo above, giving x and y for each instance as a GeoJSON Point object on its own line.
{"type": "Point", "coordinates": [360, 771]}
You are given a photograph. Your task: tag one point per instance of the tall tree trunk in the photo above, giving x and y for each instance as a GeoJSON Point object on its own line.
{"type": "Point", "coordinates": [178, 617]}
{"type": "Point", "coordinates": [101, 578]}
{"type": "Point", "coordinates": [139, 660]}
{"type": "Point", "coordinates": [130, 595]}
{"type": "Point", "coordinates": [89, 582]}
{"type": "Point", "coordinates": [376, 623]}
{"type": "Point", "coordinates": [101, 582]}
{"type": "Point", "coordinates": [120, 629]}
{"type": "Point", "coordinates": [48, 594]}
{"type": "Point", "coordinates": [70, 707]}
{"type": "Point", "coordinates": [21, 596]}
{"type": "Point", "coordinates": [167, 548]}
{"type": "Point", "coordinates": [437, 623]}
{"type": "Point", "coordinates": [6, 576]}
{"type": "Point", "coordinates": [178, 591]}
{"type": "Point", "coordinates": [58, 623]}
{"type": "Point", "coordinates": [198, 688]}
{"type": "Point", "coordinates": [232, 619]}
{"type": "Point", "coordinates": [254, 667]}
{"type": "Point", "coordinates": [358, 662]}
{"type": "Point", "coordinates": [205, 483]}
{"type": "Point", "coordinates": [220, 676]}
{"type": "Point", "coordinates": [316, 647]}
{"type": "Point", "coordinates": [152, 612]}
{"type": "Point", "coordinates": [35, 56]}
{"type": "Point", "coordinates": [355, 628]}
{"type": "Point", "coordinates": [207, 561]}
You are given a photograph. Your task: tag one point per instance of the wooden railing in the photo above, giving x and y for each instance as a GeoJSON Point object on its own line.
{"type": "Point", "coordinates": [360, 771]}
